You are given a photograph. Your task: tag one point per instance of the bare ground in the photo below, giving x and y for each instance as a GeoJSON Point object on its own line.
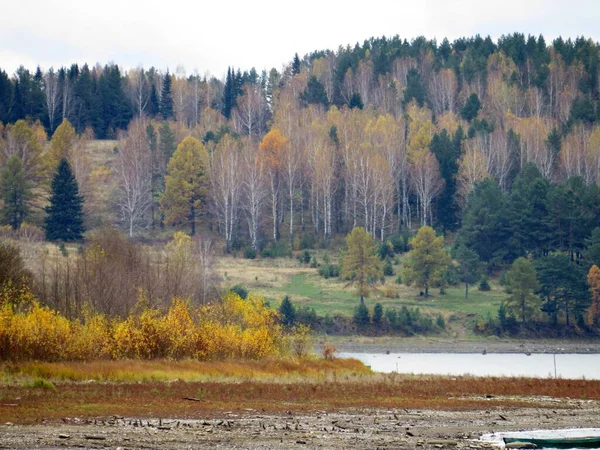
{"type": "Point", "coordinates": [346, 429]}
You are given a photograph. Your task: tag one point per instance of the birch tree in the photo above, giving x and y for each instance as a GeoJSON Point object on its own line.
{"type": "Point", "coordinates": [139, 91]}
{"type": "Point", "coordinates": [226, 184]}
{"type": "Point", "coordinates": [52, 97]}
{"type": "Point", "coordinates": [254, 189]}
{"type": "Point", "coordinates": [270, 149]}
{"type": "Point", "coordinates": [134, 167]}
{"type": "Point", "coordinates": [426, 181]}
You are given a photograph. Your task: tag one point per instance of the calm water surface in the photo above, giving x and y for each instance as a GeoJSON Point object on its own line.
{"type": "Point", "coordinates": [539, 365]}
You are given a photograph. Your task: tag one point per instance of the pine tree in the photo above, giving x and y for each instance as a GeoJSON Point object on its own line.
{"type": "Point", "coordinates": [469, 268]}
{"type": "Point", "coordinates": [166, 101]}
{"type": "Point", "coordinates": [64, 220]}
{"type": "Point", "coordinates": [521, 283]}
{"type": "Point", "coordinates": [16, 193]}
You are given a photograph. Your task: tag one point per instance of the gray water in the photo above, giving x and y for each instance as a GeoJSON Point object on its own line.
{"type": "Point", "coordinates": [538, 365]}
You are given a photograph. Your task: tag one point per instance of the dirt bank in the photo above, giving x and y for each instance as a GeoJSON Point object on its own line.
{"type": "Point", "coordinates": [351, 429]}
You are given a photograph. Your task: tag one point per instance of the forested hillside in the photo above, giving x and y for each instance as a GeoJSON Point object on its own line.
{"type": "Point", "coordinates": [496, 141]}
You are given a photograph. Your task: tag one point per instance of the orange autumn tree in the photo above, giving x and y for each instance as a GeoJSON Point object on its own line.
{"type": "Point", "coordinates": [270, 150]}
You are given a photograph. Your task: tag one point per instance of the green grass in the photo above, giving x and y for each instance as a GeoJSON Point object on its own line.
{"type": "Point", "coordinates": [478, 302]}
{"type": "Point", "coordinates": [330, 297]}
{"type": "Point", "coordinates": [41, 383]}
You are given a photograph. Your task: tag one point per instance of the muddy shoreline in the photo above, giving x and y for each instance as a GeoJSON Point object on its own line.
{"type": "Point", "coordinates": [350, 429]}
{"type": "Point", "coordinates": [422, 345]}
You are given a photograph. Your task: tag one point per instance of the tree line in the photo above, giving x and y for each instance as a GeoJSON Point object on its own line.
{"type": "Point", "coordinates": [468, 136]}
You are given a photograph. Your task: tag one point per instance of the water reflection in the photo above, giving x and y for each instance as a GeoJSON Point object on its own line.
{"type": "Point", "coordinates": [538, 365]}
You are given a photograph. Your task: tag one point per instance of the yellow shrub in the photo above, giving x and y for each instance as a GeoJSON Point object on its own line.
{"type": "Point", "coordinates": [232, 329]}
{"type": "Point", "coordinates": [39, 334]}
{"type": "Point", "coordinates": [181, 329]}
{"type": "Point", "coordinates": [91, 339]}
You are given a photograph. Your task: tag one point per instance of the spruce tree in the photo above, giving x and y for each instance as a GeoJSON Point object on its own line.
{"type": "Point", "coordinates": [16, 193]}
{"type": "Point", "coordinates": [168, 142]}
{"type": "Point", "coordinates": [64, 220]}
{"type": "Point", "coordinates": [315, 93]}
{"type": "Point", "coordinates": [154, 103]}
{"type": "Point", "coordinates": [296, 65]}
{"type": "Point", "coordinates": [228, 90]}
{"type": "Point", "coordinates": [287, 312]}
{"type": "Point", "coordinates": [166, 101]}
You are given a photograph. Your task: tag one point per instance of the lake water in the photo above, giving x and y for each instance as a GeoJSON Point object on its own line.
{"type": "Point", "coordinates": [537, 365]}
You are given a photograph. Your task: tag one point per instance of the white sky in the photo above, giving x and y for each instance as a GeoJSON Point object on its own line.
{"type": "Point", "coordinates": [210, 35]}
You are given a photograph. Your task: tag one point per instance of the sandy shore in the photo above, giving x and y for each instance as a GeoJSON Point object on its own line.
{"type": "Point", "coordinates": [371, 428]}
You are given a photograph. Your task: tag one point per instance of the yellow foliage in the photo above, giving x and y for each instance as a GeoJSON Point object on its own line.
{"type": "Point", "coordinates": [100, 174]}
{"type": "Point", "coordinates": [39, 334]}
{"type": "Point", "coordinates": [231, 329]}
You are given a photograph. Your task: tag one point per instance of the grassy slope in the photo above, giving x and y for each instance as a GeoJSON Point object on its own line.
{"type": "Point", "coordinates": [274, 278]}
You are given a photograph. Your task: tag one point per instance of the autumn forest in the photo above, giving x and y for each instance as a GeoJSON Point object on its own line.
{"type": "Point", "coordinates": [494, 144]}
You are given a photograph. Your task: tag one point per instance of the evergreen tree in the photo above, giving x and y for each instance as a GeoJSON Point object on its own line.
{"type": "Point", "coordinates": [377, 314]}
{"type": "Point", "coordinates": [356, 101]}
{"type": "Point", "coordinates": [563, 287]}
{"type": "Point", "coordinates": [361, 314]}
{"type": "Point", "coordinates": [287, 311]}
{"type": "Point", "coordinates": [315, 93]}
{"type": "Point", "coordinates": [64, 220]}
{"type": "Point", "coordinates": [447, 151]}
{"type": "Point", "coordinates": [484, 227]}
{"type": "Point", "coordinates": [6, 95]}
{"type": "Point", "coordinates": [157, 181]}
{"type": "Point", "coordinates": [153, 103]}
{"type": "Point", "coordinates": [88, 104]}
{"type": "Point", "coordinates": [414, 88]}
{"type": "Point", "coordinates": [469, 269]}
{"type": "Point", "coordinates": [166, 100]}
{"type": "Point", "coordinates": [529, 223]}
{"type": "Point", "coordinates": [471, 108]}
{"type": "Point", "coordinates": [168, 142]}
{"type": "Point", "coordinates": [591, 254]}
{"type": "Point", "coordinates": [521, 283]}
{"type": "Point", "coordinates": [116, 110]}
{"type": "Point", "coordinates": [16, 193]}
{"type": "Point", "coordinates": [228, 93]}
{"type": "Point", "coordinates": [296, 65]}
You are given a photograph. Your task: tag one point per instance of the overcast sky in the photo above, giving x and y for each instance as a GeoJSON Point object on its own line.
{"type": "Point", "coordinates": [208, 36]}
